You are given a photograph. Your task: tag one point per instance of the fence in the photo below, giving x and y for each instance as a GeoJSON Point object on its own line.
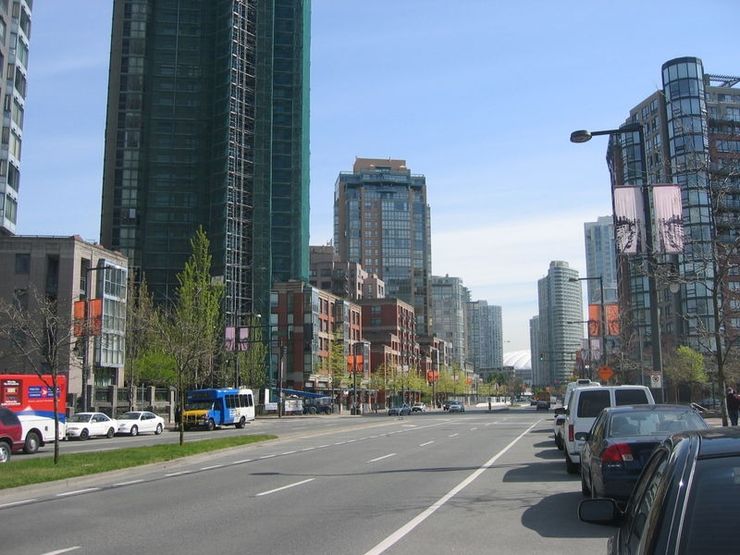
{"type": "Point", "coordinates": [114, 401]}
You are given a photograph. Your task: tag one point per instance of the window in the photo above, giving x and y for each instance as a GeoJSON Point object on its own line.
{"type": "Point", "coordinates": [630, 397]}
{"type": "Point", "coordinates": [22, 263]}
{"type": "Point", "coordinates": [590, 403]}
{"type": "Point", "coordinates": [647, 497]}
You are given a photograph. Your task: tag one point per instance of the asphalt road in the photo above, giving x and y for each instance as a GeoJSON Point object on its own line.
{"type": "Point", "coordinates": [476, 482]}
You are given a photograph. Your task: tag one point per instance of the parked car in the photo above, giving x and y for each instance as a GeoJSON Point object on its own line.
{"type": "Point", "coordinates": [419, 407]}
{"type": "Point", "coordinates": [318, 405]}
{"type": "Point", "coordinates": [585, 405]}
{"type": "Point", "coordinates": [11, 434]}
{"type": "Point", "coordinates": [559, 420]}
{"type": "Point", "coordinates": [84, 425]}
{"type": "Point", "coordinates": [621, 441]}
{"type": "Point", "coordinates": [543, 405]}
{"type": "Point", "coordinates": [135, 422]}
{"type": "Point", "coordinates": [685, 501]}
{"type": "Point", "coordinates": [402, 410]}
{"type": "Point", "coordinates": [456, 406]}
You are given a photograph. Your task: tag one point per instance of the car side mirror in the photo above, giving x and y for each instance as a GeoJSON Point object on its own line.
{"type": "Point", "coordinates": [582, 436]}
{"type": "Point", "coordinates": [599, 511]}
{"type": "Point", "coordinates": [560, 410]}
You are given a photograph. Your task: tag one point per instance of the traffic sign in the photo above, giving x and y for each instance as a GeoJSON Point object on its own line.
{"type": "Point", "coordinates": [656, 380]}
{"type": "Point", "coordinates": [605, 373]}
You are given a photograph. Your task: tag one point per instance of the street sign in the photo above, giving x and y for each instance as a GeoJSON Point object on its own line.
{"type": "Point", "coordinates": [605, 373]}
{"type": "Point", "coordinates": [656, 381]}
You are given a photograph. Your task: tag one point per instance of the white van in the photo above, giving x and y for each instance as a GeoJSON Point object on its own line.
{"type": "Point", "coordinates": [584, 406]}
{"type": "Point", "coordinates": [559, 420]}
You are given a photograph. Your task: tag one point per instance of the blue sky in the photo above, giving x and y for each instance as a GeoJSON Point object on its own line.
{"type": "Point", "coordinates": [478, 95]}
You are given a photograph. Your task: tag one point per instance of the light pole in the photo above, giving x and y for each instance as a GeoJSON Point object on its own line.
{"type": "Point", "coordinates": [602, 323]}
{"type": "Point", "coordinates": [582, 136]}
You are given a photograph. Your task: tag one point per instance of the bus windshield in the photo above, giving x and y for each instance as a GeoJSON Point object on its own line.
{"type": "Point", "coordinates": [199, 405]}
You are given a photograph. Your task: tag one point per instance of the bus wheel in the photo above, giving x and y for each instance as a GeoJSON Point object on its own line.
{"type": "Point", "coordinates": [211, 425]}
{"type": "Point", "coordinates": [32, 443]}
{"type": "Point", "coordinates": [4, 451]}
{"type": "Point", "coordinates": [242, 422]}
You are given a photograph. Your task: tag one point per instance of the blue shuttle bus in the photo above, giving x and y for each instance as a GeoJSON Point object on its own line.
{"type": "Point", "coordinates": [209, 408]}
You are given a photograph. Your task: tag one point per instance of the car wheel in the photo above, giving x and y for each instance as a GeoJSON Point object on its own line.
{"type": "Point", "coordinates": [158, 430]}
{"type": "Point", "coordinates": [558, 442]}
{"type": "Point", "coordinates": [134, 431]}
{"type": "Point", "coordinates": [570, 466]}
{"type": "Point", "coordinates": [111, 433]}
{"type": "Point", "coordinates": [5, 452]}
{"type": "Point", "coordinates": [242, 422]}
{"type": "Point", "coordinates": [32, 443]}
{"type": "Point", "coordinates": [211, 425]}
{"type": "Point", "coordinates": [312, 410]}
{"type": "Point", "coordinates": [84, 434]}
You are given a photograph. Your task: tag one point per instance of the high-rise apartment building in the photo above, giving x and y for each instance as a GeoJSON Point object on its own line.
{"type": "Point", "coordinates": [449, 299]}
{"type": "Point", "coordinates": [560, 327]}
{"type": "Point", "coordinates": [382, 221]}
{"type": "Point", "coordinates": [538, 375]}
{"type": "Point", "coordinates": [692, 138]}
{"type": "Point", "coordinates": [15, 34]}
{"type": "Point", "coordinates": [207, 126]}
{"type": "Point", "coordinates": [601, 260]}
{"type": "Point", "coordinates": [484, 333]}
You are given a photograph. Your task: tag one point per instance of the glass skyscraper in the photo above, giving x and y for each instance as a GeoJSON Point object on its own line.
{"type": "Point", "coordinates": [382, 221]}
{"type": "Point", "coordinates": [207, 126]}
{"type": "Point", "coordinates": [15, 34]}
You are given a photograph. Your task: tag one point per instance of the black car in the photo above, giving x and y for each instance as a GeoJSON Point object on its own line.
{"type": "Point", "coordinates": [686, 500]}
{"type": "Point", "coordinates": [621, 441]}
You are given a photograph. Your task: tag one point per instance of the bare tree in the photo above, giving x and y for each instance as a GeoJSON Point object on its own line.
{"type": "Point", "coordinates": [40, 332]}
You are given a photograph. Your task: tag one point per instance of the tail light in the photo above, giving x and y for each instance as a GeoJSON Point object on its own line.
{"type": "Point", "coordinates": [617, 453]}
{"type": "Point", "coordinates": [571, 433]}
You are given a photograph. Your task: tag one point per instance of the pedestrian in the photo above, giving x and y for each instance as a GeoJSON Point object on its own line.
{"type": "Point", "coordinates": [733, 404]}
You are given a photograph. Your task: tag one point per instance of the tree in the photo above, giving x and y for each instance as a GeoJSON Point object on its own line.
{"type": "Point", "coordinates": [251, 362]}
{"type": "Point", "coordinates": [337, 363]}
{"type": "Point", "coordinates": [141, 340]}
{"type": "Point", "coordinates": [685, 367]}
{"type": "Point", "coordinates": [40, 334]}
{"type": "Point", "coordinates": [192, 325]}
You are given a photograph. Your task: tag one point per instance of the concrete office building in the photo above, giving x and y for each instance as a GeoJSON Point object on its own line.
{"type": "Point", "coordinates": [382, 221]}
{"type": "Point", "coordinates": [484, 335]}
{"type": "Point", "coordinates": [601, 260]}
{"type": "Point", "coordinates": [449, 299]}
{"type": "Point", "coordinates": [15, 34]}
{"type": "Point", "coordinates": [65, 270]}
{"type": "Point", "coordinates": [560, 302]}
{"type": "Point", "coordinates": [207, 126]}
{"type": "Point", "coordinates": [692, 138]}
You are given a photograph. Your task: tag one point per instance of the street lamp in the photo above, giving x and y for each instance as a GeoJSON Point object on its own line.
{"type": "Point", "coordinates": [602, 323]}
{"type": "Point", "coordinates": [582, 136]}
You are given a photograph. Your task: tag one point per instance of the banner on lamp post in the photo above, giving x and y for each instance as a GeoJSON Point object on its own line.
{"type": "Point", "coordinates": [629, 218]}
{"type": "Point", "coordinates": [668, 218]}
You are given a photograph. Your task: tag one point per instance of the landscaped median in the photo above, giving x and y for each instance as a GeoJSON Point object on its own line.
{"type": "Point", "coordinates": [35, 471]}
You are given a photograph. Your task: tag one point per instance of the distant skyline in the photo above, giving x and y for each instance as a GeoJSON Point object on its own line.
{"type": "Point", "coordinates": [478, 96]}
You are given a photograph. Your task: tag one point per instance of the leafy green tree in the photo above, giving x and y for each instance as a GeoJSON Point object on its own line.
{"type": "Point", "coordinates": [252, 362]}
{"type": "Point", "coordinates": [193, 325]}
{"type": "Point", "coordinates": [685, 367]}
{"type": "Point", "coordinates": [337, 364]}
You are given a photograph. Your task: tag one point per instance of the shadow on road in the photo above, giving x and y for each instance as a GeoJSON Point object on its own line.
{"type": "Point", "coordinates": [553, 454]}
{"type": "Point", "coordinates": [556, 516]}
{"type": "Point", "coordinates": [540, 472]}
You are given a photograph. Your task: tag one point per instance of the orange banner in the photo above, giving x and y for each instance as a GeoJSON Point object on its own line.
{"type": "Point", "coordinates": [612, 320]}
{"type": "Point", "coordinates": [594, 320]}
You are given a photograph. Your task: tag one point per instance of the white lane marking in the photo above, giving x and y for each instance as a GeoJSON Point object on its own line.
{"type": "Point", "coordinates": [425, 444]}
{"type": "Point", "coordinates": [60, 551]}
{"type": "Point", "coordinates": [351, 440]}
{"type": "Point", "coordinates": [381, 458]}
{"type": "Point", "coordinates": [285, 487]}
{"type": "Point", "coordinates": [308, 449]}
{"type": "Point", "coordinates": [266, 456]}
{"type": "Point", "coordinates": [211, 467]}
{"type": "Point", "coordinates": [396, 536]}
{"type": "Point", "coordinates": [372, 437]}
{"type": "Point", "coordinates": [453, 435]}
{"type": "Point", "coordinates": [340, 443]}
{"type": "Point", "coordinates": [76, 492]}
{"type": "Point", "coordinates": [288, 453]}
{"type": "Point", "coordinates": [14, 503]}
{"type": "Point", "coordinates": [171, 474]}
{"type": "Point", "coordinates": [489, 423]}
{"type": "Point", "coordinates": [242, 461]}
{"type": "Point", "coordinates": [130, 482]}
{"type": "Point", "coordinates": [322, 446]}
{"type": "Point", "coordinates": [473, 429]}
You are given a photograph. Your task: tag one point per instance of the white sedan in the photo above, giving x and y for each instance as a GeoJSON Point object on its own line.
{"type": "Point", "coordinates": [88, 424]}
{"type": "Point", "coordinates": [135, 422]}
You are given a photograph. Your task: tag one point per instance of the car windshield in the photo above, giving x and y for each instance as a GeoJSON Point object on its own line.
{"type": "Point", "coordinates": [199, 405]}
{"type": "Point", "coordinates": [79, 418]}
{"type": "Point", "coordinates": [650, 423]}
{"type": "Point", "coordinates": [130, 416]}
{"type": "Point", "coordinates": [713, 510]}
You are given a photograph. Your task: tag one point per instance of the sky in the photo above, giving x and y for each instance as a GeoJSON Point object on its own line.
{"type": "Point", "coordinates": [480, 96]}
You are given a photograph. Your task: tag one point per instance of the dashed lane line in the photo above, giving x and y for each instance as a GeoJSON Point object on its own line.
{"type": "Point", "coordinates": [77, 492]}
{"type": "Point", "coordinates": [381, 458]}
{"type": "Point", "coordinates": [285, 487]}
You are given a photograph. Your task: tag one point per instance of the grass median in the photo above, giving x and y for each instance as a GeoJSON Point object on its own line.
{"type": "Point", "coordinates": [35, 471]}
